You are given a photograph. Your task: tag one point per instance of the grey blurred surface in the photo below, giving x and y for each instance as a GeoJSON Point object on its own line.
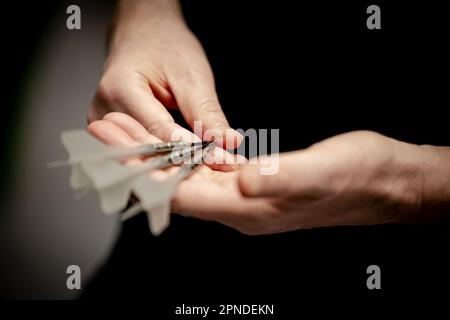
{"type": "Point", "coordinates": [45, 229]}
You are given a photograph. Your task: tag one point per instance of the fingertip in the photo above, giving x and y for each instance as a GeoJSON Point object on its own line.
{"type": "Point", "coordinates": [97, 128]}
{"type": "Point", "coordinates": [225, 137]}
{"type": "Point", "coordinates": [220, 159]}
{"type": "Point", "coordinates": [131, 126]}
{"type": "Point", "coordinates": [233, 139]}
{"type": "Point", "coordinates": [214, 135]}
{"type": "Point", "coordinates": [92, 127]}
{"type": "Point", "coordinates": [222, 167]}
{"type": "Point", "coordinates": [110, 133]}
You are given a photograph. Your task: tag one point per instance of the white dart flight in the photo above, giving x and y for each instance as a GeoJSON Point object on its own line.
{"type": "Point", "coordinates": [96, 165]}
{"type": "Point", "coordinates": [115, 182]}
{"type": "Point", "coordinates": [84, 149]}
{"type": "Point", "coordinates": [155, 196]}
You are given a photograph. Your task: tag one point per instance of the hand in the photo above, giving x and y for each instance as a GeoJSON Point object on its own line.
{"type": "Point", "coordinates": [354, 178]}
{"type": "Point", "coordinates": [154, 63]}
{"type": "Point", "coordinates": [357, 178]}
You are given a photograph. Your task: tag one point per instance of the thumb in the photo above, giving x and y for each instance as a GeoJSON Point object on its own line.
{"type": "Point", "coordinates": [201, 109]}
{"type": "Point", "coordinates": [253, 182]}
{"type": "Point", "coordinates": [284, 175]}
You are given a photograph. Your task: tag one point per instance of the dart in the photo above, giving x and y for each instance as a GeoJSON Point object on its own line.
{"type": "Point", "coordinates": [84, 149]}
{"type": "Point", "coordinates": [155, 195]}
{"type": "Point", "coordinates": [114, 181]}
{"type": "Point", "coordinates": [96, 166]}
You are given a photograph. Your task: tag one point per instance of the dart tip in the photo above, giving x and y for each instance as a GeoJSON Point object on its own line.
{"type": "Point", "coordinates": [208, 145]}
{"type": "Point", "coordinates": [198, 144]}
{"type": "Point", "coordinates": [202, 144]}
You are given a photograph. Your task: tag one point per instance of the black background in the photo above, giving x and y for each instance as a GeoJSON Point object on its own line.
{"type": "Point", "coordinates": [313, 70]}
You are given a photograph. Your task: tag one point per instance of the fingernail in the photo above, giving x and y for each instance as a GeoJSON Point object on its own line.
{"type": "Point", "coordinates": [233, 139]}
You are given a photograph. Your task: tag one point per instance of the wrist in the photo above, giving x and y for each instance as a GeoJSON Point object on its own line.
{"type": "Point", "coordinates": [403, 182]}
{"type": "Point", "coordinates": [137, 20]}
{"type": "Point", "coordinates": [436, 181]}
{"type": "Point", "coordinates": [148, 10]}
{"type": "Point", "coordinates": [419, 182]}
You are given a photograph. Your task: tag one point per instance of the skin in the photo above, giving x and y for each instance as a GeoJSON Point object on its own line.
{"type": "Point", "coordinates": [355, 178]}
{"type": "Point", "coordinates": [155, 63]}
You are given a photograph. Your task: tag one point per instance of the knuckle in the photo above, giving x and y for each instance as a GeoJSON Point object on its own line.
{"type": "Point", "coordinates": [161, 129]}
{"type": "Point", "coordinates": [186, 77]}
{"type": "Point", "coordinates": [156, 128]}
{"type": "Point", "coordinates": [210, 106]}
{"type": "Point", "coordinates": [116, 116]}
{"type": "Point", "coordinates": [105, 91]}
{"type": "Point", "coordinates": [110, 88]}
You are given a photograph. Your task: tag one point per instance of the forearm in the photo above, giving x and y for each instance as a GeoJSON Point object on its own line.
{"type": "Point", "coordinates": [416, 181]}
{"type": "Point", "coordinates": [145, 10]}
{"type": "Point", "coordinates": [436, 181]}
{"type": "Point", "coordinates": [138, 18]}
